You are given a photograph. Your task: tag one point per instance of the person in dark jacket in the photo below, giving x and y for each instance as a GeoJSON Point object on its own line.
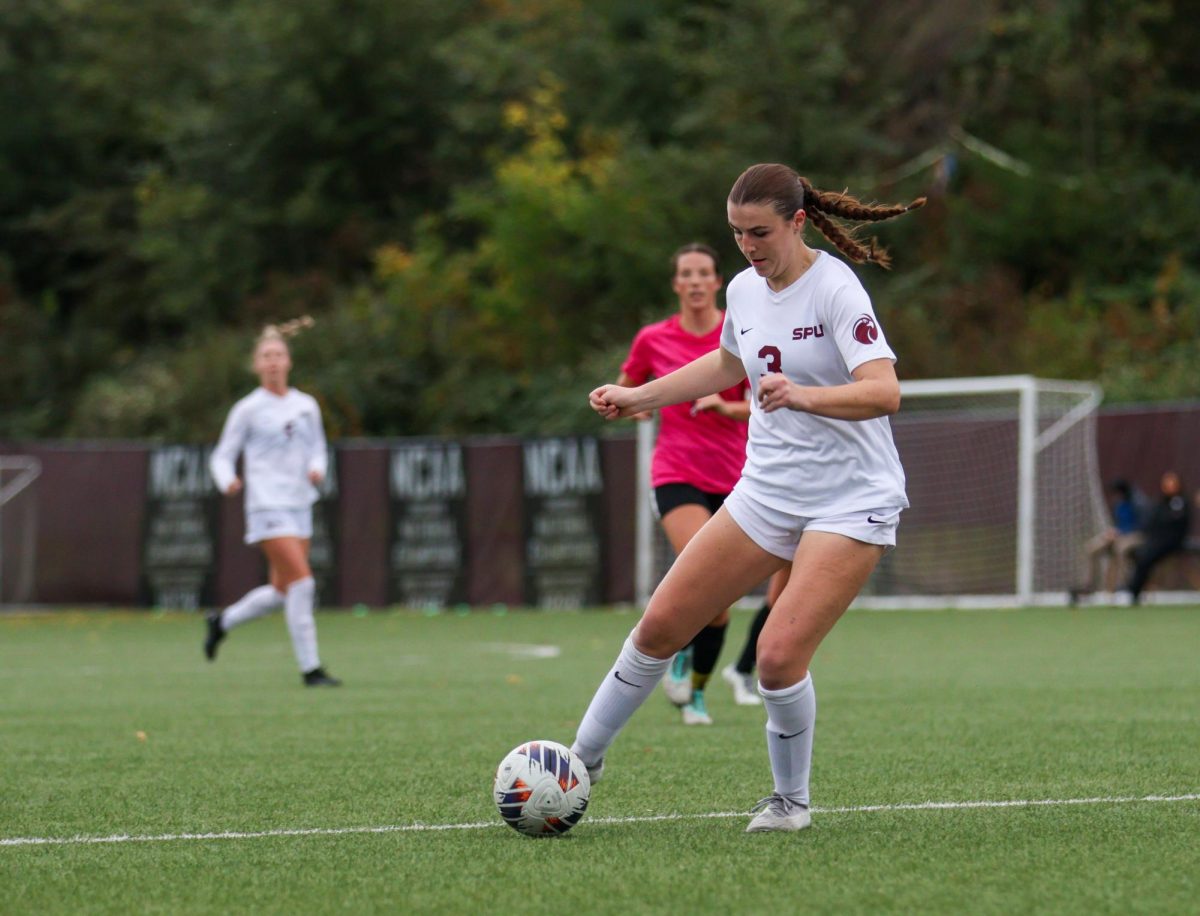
{"type": "Point", "coordinates": [1163, 533]}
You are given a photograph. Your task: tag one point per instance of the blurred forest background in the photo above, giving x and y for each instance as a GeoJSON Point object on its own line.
{"type": "Point", "coordinates": [477, 199]}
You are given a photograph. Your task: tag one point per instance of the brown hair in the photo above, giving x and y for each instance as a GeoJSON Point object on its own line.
{"type": "Point", "coordinates": [696, 248]}
{"type": "Point", "coordinates": [787, 192]}
{"type": "Point", "coordinates": [282, 332]}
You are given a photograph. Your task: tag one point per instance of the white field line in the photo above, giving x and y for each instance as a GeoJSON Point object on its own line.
{"type": "Point", "coordinates": [522, 650]}
{"type": "Point", "coordinates": [643, 819]}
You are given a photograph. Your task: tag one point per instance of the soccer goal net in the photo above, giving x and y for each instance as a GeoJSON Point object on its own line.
{"type": "Point", "coordinates": [1005, 490]}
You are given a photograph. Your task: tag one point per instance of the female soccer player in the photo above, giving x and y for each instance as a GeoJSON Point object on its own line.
{"type": "Point", "coordinates": [278, 431]}
{"type": "Point", "coordinates": [700, 448]}
{"type": "Point", "coordinates": [822, 486]}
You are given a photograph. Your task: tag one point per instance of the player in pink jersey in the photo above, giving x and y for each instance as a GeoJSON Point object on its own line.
{"type": "Point", "coordinates": [698, 456]}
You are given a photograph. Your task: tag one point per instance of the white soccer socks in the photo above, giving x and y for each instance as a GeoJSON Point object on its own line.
{"type": "Point", "coordinates": [623, 690]}
{"type": "Point", "coordinates": [791, 715]}
{"type": "Point", "coordinates": [298, 607]}
{"type": "Point", "coordinates": [255, 603]}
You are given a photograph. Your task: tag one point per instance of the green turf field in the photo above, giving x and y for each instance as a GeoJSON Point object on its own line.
{"type": "Point", "coordinates": [113, 724]}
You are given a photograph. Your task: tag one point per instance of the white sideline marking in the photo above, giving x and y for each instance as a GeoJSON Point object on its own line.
{"type": "Point", "coordinates": [523, 650]}
{"type": "Point", "coordinates": [644, 819]}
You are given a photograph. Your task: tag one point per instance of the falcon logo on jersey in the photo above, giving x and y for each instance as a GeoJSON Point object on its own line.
{"type": "Point", "coordinates": [805, 333]}
{"type": "Point", "coordinates": [865, 330]}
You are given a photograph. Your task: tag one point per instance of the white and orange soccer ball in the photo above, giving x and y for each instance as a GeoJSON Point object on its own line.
{"type": "Point", "coordinates": [541, 789]}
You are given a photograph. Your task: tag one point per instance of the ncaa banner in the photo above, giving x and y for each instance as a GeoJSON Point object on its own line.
{"type": "Point", "coordinates": [179, 535]}
{"type": "Point", "coordinates": [427, 557]}
{"type": "Point", "coordinates": [563, 522]}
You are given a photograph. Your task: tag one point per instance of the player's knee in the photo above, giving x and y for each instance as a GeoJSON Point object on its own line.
{"type": "Point", "coordinates": [779, 665]}
{"type": "Point", "coordinates": [291, 574]}
{"type": "Point", "coordinates": [651, 637]}
{"type": "Point", "coordinates": [304, 588]}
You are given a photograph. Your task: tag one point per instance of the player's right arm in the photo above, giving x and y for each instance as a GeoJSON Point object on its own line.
{"type": "Point", "coordinates": [710, 373]}
{"type": "Point", "coordinates": [223, 461]}
{"type": "Point", "coordinates": [625, 380]}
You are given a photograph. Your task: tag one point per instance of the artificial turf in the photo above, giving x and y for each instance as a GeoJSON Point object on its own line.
{"type": "Point", "coordinates": [112, 724]}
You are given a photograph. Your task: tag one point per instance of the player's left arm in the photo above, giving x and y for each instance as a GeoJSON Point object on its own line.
{"type": "Point", "coordinates": [735, 410]}
{"type": "Point", "coordinates": [875, 392]}
{"type": "Point", "coordinates": [318, 460]}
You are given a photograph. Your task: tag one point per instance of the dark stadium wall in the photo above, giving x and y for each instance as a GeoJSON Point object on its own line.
{"type": "Point", "coordinates": [89, 505]}
{"type": "Point", "coordinates": [1140, 442]}
{"type": "Point", "coordinates": [364, 517]}
{"type": "Point", "coordinates": [620, 496]}
{"type": "Point", "coordinates": [91, 514]}
{"type": "Point", "coordinates": [495, 523]}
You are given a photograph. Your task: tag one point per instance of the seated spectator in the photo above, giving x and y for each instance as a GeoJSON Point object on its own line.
{"type": "Point", "coordinates": [1110, 552]}
{"type": "Point", "coordinates": [1163, 533]}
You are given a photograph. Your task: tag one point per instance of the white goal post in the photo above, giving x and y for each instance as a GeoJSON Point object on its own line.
{"type": "Point", "coordinates": [1004, 482]}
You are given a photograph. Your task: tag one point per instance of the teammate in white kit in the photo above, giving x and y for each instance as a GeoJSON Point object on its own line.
{"type": "Point", "coordinates": [278, 432]}
{"type": "Point", "coordinates": [822, 486]}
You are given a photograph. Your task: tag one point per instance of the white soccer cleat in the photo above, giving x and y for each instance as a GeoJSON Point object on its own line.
{"type": "Point", "coordinates": [678, 692]}
{"type": "Point", "coordinates": [595, 771]}
{"type": "Point", "coordinates": [744, 693]}
{"type": "Point", "coordinates": [695, 712]}
{"type": "Point", "coordinates": [778, 812]}
{"type": "Point", "coordinates": [677, 679]}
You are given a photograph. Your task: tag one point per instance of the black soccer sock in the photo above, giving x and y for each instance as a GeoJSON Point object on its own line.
{"type": "Point", "coordinates": [745, 664]}
{"type": "Point", "coordinates": [706, 648]}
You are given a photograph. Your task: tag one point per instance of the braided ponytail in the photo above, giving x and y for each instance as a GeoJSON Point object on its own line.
{"type": "Point", "coordinates": [787, 192]}
{"type": "Point", "coordinates": [286, 330]}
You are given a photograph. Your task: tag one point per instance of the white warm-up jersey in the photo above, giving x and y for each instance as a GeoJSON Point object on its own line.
{"type": "Point", "coordinates": [816, 332]}
{"type": "Point", "coordinates": [281, 439]}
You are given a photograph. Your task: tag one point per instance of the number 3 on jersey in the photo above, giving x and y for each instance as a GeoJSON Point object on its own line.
{"type": "Point", "coordinates": [773, 357]}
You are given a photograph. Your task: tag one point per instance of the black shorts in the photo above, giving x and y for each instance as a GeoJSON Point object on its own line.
{"type": "Point", "coordinates": [673, 495]}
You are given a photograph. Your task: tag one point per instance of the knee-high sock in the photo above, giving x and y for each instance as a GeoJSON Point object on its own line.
{"type": "Point", "coordinates": [255, 603]}
{"type": "Point", "coordinates": [298, 606]}
{"type": "Point", "coordinates": [706, 649]}
{"type": "Point", "coordinates": [745, 664]}
{"type": "Point", "coordinates": [624, 688]}
{"type": "Point", "coordinates": [791, 717]}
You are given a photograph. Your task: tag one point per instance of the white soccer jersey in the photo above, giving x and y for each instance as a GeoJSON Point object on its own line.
{"type": "Point", "coordinates": [281, 439]}
{"type": "Point", "coordinates": [816, 332]}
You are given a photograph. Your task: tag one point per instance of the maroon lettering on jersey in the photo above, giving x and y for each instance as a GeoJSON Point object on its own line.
{"type": "Point", "coordinates": [805, 333]}
{"type": "Point", "coordinates": [865, 330]}
{"type": "Point", "coordinates": [773, 357]}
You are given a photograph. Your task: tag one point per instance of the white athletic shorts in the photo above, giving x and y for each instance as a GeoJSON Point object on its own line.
{"type": "Point", "coordinates": [278, 523]}
{"type": "Point", "coordinates": [779, 533]}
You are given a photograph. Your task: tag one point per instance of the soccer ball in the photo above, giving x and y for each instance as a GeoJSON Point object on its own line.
{"type": "Point", "coordinates": [541, 789]}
